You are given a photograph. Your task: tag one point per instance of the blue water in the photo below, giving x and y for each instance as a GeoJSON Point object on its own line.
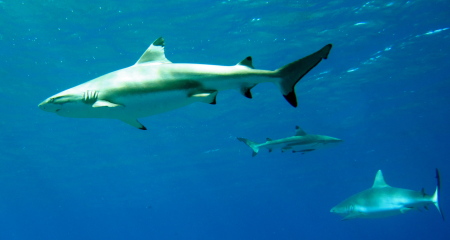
{"type": "Point", "coordinates": [384, 90]}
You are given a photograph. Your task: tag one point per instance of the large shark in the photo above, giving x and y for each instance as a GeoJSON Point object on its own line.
{"type": "Point", "coordinates": [383, 200]}
{"type": "Point", "coordinates": [300, 142]}
{"type": "Point", "coordinates": [155, 85]}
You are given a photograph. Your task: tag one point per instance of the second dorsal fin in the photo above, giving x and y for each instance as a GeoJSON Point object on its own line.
{"type": "Point", "coordinates": [247, 62]}
{"type": "Point", "coordinates": [299, 131]}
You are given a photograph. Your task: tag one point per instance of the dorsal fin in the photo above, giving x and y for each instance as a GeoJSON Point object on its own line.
{"type": "Point", "coordinates": [299, 131]}
{"type": "Point", "coordinates": [379, 181]}
{"type": "Point", "coordinates": [247, 62]}
{"type": "Point", "coordinates": [154, 53]}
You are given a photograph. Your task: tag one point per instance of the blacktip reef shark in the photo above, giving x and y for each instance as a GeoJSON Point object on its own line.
{"type": "Point", "coordinates": [300, 142]}
{"type": "Point", "coordinates": [383, 200]}
{"type": "Point", "coordinates": [155, 85]}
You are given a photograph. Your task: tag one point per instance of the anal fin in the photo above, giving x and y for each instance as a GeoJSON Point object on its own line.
{"type": "Point", "coordinates": [245, 90]}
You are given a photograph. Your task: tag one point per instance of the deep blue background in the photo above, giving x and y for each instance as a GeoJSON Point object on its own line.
{"type": "Point", "coordinates": [384, 90]}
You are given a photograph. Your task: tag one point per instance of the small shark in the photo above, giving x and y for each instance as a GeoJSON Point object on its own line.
{"type": "Point", "coordinates": [383, 200]}
{"type": "Point", "coordinates": [300, 142]}
{"type": "Point", "coordinates": [155, 85]}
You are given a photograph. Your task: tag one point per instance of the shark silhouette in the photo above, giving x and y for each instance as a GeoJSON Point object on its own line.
{"type": "Point", "coordinates": [300, 142]}
{"type": "Point", "coordinates": [155, 85]}
{"type": "Point", "coordinates": [383, 200]}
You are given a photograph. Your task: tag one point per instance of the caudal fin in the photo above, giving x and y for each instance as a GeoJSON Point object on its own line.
{"type": "Point", "coordinates": [291, 73]}
{"type": "Point", "coordinates": [252, 145]}
{"type": "Point", "coordinates": [435, 197]}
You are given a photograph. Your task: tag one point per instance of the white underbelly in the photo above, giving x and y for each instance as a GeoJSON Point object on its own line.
{"type": "Point", "coordinates": [142, 105]}
{"type": "Point", "coordinates": [292, 146]}
{"type": "Point", "coordinates": [132, 105]}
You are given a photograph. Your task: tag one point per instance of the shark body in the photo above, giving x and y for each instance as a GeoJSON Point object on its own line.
{"type": "Point", "coordinates": [155, 85]}
{"type": "Point", "coordinates": [300, 142]}
{"type": "Point", "coordinates": [383, 200]}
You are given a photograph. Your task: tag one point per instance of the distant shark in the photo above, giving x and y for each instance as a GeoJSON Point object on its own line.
{"type": "Point", "coordinates": [383, 200]}
{"type": "Point", "coordinates": [155, 85]}
{"type": "Point", "coordinates": [300, 142]}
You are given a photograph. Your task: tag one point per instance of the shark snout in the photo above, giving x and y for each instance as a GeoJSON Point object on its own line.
{"type": "Point", "coordinates": [332, 140]}
{"type": "Point", "coordinates": [334, 209]}
{"type": "Point", "coordinates": [48, 106]}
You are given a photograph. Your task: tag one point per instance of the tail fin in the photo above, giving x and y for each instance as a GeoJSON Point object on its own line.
{"type": "Point", "coordinates": [435, 197]}
{"type": "Point", "coordinates": [252, 145]}
{"type": "Point", "coordinates": [291, 73]}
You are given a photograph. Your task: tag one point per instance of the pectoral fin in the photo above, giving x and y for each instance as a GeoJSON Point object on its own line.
{"type": "Point", "coordinates": [104, 103]}
{"type": "Point", "coordinates": [353, 215]}
{"type": "Point", "coordinates": [133, 122]}
{"type": "Point", "coordinates": [285, 149]}
{"type": "Point", "coordinates": [406, 209]}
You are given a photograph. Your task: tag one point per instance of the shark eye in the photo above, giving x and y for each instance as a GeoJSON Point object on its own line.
{"type": "Point", "coordinates": [51, 100]}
